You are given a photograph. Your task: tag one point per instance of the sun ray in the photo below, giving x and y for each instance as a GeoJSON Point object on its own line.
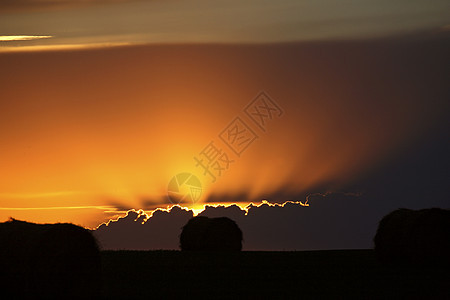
{"type": "Point", "coordinates": [9, 38]}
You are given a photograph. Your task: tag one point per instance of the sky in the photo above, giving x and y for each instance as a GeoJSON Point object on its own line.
{"type": "Point", "coordinates": [100, 23]}
{"type": "Point", "coordinates": [341, 109]}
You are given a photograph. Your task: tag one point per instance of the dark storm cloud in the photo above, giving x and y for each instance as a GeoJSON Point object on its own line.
{"type": "Point", "coordinates": [158, 232]}
{"type": "Point", "coordinates": [332, 222]}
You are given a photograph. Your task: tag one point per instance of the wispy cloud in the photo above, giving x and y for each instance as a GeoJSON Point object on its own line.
{"type": "Point", "coordinates": [10, 38]}
{"type": "Point", "coordinates": [105, 208]}
{"type": "Point", "coordinates": [68, 47]}
{"type": "Point", "coordinates": [106, 22]}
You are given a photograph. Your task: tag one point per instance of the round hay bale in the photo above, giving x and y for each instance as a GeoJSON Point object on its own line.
{"type": "Point", "coordinates": [50, 260]}
{"type": "Point", "coordinates": [211, 234]}
{"type": "Point", "coordinates": [409, 236]}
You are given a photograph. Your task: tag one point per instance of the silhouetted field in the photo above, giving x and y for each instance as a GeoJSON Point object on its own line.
{"type": "Point", "coordinates": [264, 275]}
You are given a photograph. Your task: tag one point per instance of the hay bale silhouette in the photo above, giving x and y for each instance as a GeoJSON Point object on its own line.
{"type": "Point", "coordinates": [211, 234]}
{"type": "Point", "coordinates": [410, 236]}
{"type": "Point", "coordinates": [49, 260]}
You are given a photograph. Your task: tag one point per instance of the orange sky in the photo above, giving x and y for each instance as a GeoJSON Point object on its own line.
{"type": "Point", "coordinates": [87, 133]}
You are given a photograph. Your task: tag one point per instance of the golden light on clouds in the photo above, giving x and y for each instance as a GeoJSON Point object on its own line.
{"type": "Point", "coordinates": [10, 38]}
{"type": "Point", "coordinates": [103, 208]}
{"type": "Point", "coordinates": [62, 47]}
{"type": "Point", "coordinates": [199, 208]}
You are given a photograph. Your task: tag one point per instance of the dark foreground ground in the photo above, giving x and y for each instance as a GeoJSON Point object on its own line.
{"type": "Point", "coordinates": [265, 275]}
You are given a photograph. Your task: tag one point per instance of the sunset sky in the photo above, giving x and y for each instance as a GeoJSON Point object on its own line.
{"type": "Point", "coordinates": [103, 102]}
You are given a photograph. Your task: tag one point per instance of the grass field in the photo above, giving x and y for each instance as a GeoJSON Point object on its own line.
{"type": "Point", "coordinates": [266, 275]}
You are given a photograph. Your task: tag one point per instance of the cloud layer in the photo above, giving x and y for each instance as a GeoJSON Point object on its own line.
{"type": "Point", "coordinates": [333, 221]}
{"type": "Point", "coordinates": [105, 22]}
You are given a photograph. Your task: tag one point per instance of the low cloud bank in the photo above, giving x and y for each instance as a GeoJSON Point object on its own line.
{"type": "Point", "coordinates": [332, 221]}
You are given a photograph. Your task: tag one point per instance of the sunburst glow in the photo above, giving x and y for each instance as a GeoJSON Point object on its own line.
{"type": "Point", "coordinates": [8, 38]}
